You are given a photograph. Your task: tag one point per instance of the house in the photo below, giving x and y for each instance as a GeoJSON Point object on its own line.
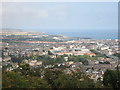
{"type": "Point", "coordinates": [63, 53]}
{"type": "Point", "coordinates": [7, 58]}
{"type": "Point", "coordinates": [91, 54]}
{"type": "Point", "coordinates": [66, 58]}
{"type": "Point", "coordinates": [70, 62]}
{"type": "Point", "coordinates": [33, 62]}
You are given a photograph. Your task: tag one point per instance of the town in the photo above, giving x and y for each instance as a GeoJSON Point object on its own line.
{"type": "Point", "coordinates": [57, 52]}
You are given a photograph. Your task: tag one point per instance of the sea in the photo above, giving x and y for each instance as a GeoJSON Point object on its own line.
{"type": "Point", "coordinates": [92, 35]}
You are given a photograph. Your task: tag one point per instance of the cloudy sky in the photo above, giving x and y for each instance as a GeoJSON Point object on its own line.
{"type": "Point", "coordinates": [62, 16]}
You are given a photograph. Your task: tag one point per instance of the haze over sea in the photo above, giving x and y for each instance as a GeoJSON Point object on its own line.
{"type": "Point", "coordinates": [97, 20]}
{"type": "Point", "coordinates": [93, 35]}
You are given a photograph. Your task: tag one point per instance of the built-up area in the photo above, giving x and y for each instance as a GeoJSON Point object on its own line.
{"type": "Point", "coordinates": [90, 56]}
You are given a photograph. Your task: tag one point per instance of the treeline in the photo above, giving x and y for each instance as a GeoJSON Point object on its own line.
{"type": "Point", "coordinates": [27, 77]}
{"type": "Point", "coordinates": [112, 79]}
{"type": "Point", "coordinates": [38, 78]}
{"type": "Point", "coordinates": [98, 54]}
{"type": "Point", "coordinates": [47, 60]}
{"type": "Point", "coordinates": [61, 59]}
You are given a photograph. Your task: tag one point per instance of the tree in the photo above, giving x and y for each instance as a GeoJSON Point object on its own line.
{"type": "Point", "coordinates": [112, 78]}
{"type": "Point", "coordinates": [50, 53]}
{"type": "Point", "coordinates": [15, 80]}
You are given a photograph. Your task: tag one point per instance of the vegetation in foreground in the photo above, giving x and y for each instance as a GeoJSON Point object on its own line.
{"type": "Point", "coordinates": [33, 78]}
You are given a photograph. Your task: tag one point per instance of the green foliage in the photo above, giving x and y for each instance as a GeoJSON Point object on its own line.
{"type": "Point", "coordinates": [112, 78]}
{"type": "Point", "coordinates": [58, 79]}
{"type": "Point", "coordinates": [52, 79]}
{"type": "Point", "coordinates": [37, 82]}
{"type": "Point", "coordinates": [118, 55]}
{"type": "Point", "coordinates": [18, 59]}
{"type": "Point", "coordinates": [98, 54]}
{"type": "Point", "coordinates": [33, 57]}
{"type": "Point", "coordinates": [47, 60]}
{"type": "Point", "coordinates": [26, 70]}
{"type": "Point", "coordinates": [50, 53]}
{"type": "Point", "coordinates": [82, 59]}
{"type": "Point", "coordinates": [15, 80]}
{"type": "Point", "coordinates": [31, 77]}
{"type": "Point", "coordinates": [49, 39]}
{"type": "Point", "coordinates": [12, 79]}
{"type": "Point", "coordinates": [59, 59]}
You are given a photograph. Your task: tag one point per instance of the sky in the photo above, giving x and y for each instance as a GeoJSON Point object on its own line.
{"type": "Point", "coordinates": [60, 16]}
